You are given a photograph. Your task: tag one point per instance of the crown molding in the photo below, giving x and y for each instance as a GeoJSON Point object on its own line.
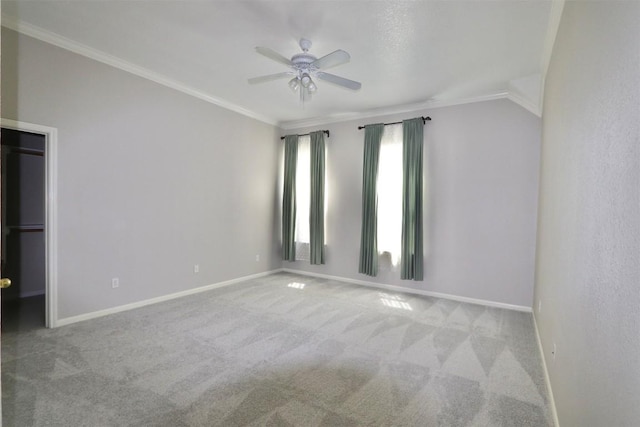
{"type": "Point", "coordinates": [525, 103]}
{"type": "Point", "coordinates": [387, 111]}
{"type": "Point", "coordinates": [105, 58]}
{"type": "Point", "coordinates": [97, 55]}
{"type": "Point", "coordinates": [555, 15]}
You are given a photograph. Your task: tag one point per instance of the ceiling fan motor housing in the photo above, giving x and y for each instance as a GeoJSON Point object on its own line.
{"type": "Point", "coordinates": [302, 62]}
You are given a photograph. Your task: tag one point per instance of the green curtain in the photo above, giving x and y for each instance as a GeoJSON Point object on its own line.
{"type": "Point", "coordinates": [289, 198]}
{"type": "Point", "coordinates": [412, 264]}
{"type": "Point", "coordinates": [316, 215]}
{"type": "Point", "coordinates": [368, 235]}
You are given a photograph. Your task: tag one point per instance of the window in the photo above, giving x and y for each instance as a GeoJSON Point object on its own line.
{"type": "Point", "coordinates": [396, 234]}
{"type": "Point", "coordinates": [303, 198]}
{"type": "Point", "coordinates": [296, 236]}
{"type": "Point", "coordinates": [390, 194]}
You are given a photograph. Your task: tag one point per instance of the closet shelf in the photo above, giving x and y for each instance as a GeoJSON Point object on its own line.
{"type": "Point", "coordinates": [26, 228]}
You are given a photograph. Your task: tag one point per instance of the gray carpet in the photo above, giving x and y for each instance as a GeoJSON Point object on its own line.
{"type": "Point", "coordinates": [284, 350]}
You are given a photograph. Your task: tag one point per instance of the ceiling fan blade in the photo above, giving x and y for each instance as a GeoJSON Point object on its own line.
{"type": "Point", "coordinates": [271, 54]}
{"type": "Point", "coordinates": [269, 77]}
{"type": "Point", "coordinates": [331, 60]}
{"type": "Point", "coordinates": [340, 81]}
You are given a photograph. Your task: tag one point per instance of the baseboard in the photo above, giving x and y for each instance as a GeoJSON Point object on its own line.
{"type": "Point", "coordinates": [552, 402]}
{"type": "Point", "coordinates": [120, 308]}
{"type": "Point", "coordinates": [395, 288]}
{"type": "Point", "coordinates": [31, 294]}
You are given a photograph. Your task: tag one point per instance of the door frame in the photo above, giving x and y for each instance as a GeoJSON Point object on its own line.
{"type": "Point", "coordinates": [50, 220]}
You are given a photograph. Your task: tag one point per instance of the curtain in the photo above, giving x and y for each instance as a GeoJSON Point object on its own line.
{"type": "Point", "coordinates": [289, 198]}
{"type": "Point", "coordinates": [368, 234]}
{"type": "Point", "coordinates": [316, 215]}
{"type": "Point", "coordinates": [412, 264]}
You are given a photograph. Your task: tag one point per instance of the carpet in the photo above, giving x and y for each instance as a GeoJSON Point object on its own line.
{"type": "Point", "coordinates": [282, 350]}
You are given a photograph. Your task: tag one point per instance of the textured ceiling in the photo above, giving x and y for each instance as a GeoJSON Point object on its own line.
{"type": "Point", "coordinates": [403, 52]}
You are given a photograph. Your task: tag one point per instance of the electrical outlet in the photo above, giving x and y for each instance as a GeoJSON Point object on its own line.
{"type": "Point", "coordinates": [115, 282]}
{"type": "Point", "coordinates": [539, 306]}
{"type": "Point", "coordinates": [553, 353]}
{"type": "Point", "coordinates": [196, 269]}
{"type": "Point", "coordinates": [257, 258]}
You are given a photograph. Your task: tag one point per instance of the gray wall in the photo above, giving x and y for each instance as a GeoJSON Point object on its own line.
{"type": "Point", "coordinates": [481, 167]}
{"type": "Point", "coordinates": [588, 262]}
{"type": "Point", "coordinates": [151, 181]}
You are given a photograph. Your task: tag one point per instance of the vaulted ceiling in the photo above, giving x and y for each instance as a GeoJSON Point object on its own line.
{"type": "Point", "coordinates": [407, 54]}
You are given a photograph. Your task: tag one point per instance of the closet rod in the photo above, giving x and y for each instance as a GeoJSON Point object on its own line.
{"type": "Point", "coordinates": [424, 120]}
{"type": "Point", "coordinates": [307, 134]}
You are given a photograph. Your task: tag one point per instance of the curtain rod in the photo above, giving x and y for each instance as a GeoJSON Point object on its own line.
{"type": "Point", "coordinates": [307, 134]}
{"type": "Point", "coordinates": [424, 120]}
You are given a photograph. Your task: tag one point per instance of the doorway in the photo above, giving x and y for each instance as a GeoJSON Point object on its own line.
{"type": "Point", "coordinates": [28, 244]}
{"type": "Point", "coordinates": [23, 230]}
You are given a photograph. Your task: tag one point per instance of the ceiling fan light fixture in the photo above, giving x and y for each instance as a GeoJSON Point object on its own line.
{"type": "Point", "coordinates": [305, 80]}
{"type": "Point", "coordinates": [294, 84]}
{"type": "Point", "coordinates": [312, 87]}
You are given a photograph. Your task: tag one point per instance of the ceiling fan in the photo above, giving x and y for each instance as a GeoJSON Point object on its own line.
{"type": "Point", "coordinates": [304, 67]}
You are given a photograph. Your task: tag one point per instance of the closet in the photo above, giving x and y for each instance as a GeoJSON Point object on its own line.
{"type": "Point", "coordinates": [23, 229]}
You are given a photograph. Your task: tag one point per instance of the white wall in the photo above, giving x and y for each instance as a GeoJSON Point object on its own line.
{"type": "Point", "coordinates": [481, 167]}
{"type": "Point", "coordinates": [151, 181]}
{"type": "Point", "coordinates": [588, 261]}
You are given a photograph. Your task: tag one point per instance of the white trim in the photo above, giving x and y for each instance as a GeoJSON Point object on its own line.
{"type": "Point", "coordinates": [138, 304]}
{"type": "Point", "coordinates": [51, 209]}
{"type": "Point", "coordinates": [97, 55]}
{"type": "Point", "coordinates": [386, 111]}
{"type": "Point", "coordinates": [131, 306]}
{"type": "Point", "coordinates": [32, 294]}
{"type": "Point", "coordinates": [555, 15]}
{"type": "Point", "coordinates": [525, 103]}
{"type": "Point", "coordinates": [395, 288]}
{"type": "Point", "coordinates": [46, 36]}
{"type": "Point", "coordinates": [552, 402]}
